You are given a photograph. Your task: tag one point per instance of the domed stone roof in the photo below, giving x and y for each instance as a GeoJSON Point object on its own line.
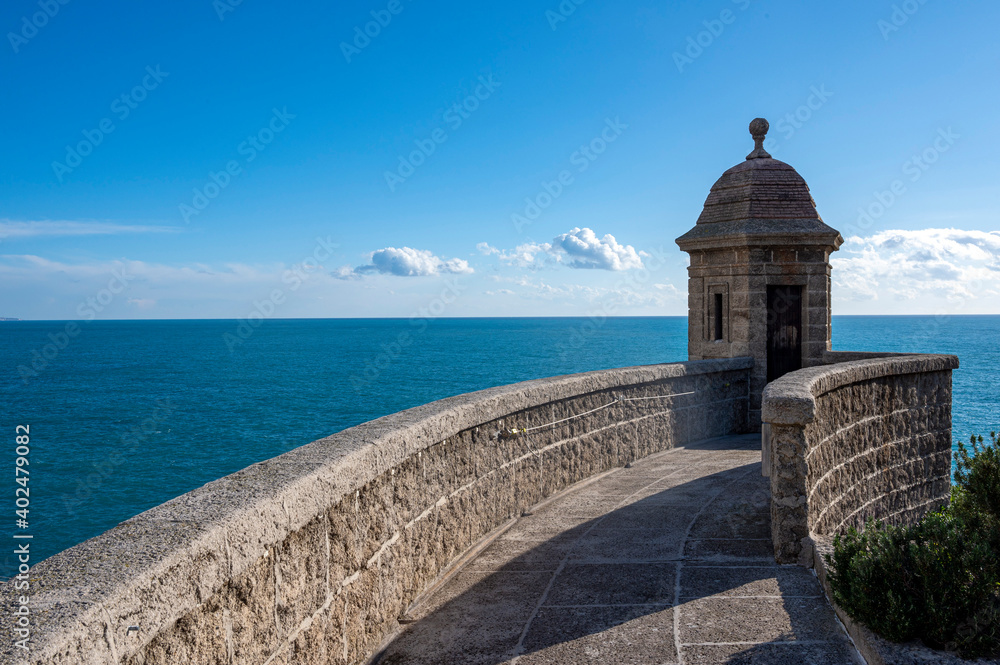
{"type": "Point", "coordinates": [760, 201]}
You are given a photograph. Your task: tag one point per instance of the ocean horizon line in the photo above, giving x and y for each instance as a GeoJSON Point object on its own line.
{"type": "Point", "coordinates": [469, 318]}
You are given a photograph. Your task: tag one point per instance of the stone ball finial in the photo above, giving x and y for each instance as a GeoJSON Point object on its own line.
{"type": "Point", "coordinates": [759, 127]}
{"type": "Point", "coordinates": [758, 130]}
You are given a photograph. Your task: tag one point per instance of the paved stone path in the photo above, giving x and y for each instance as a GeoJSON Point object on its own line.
{"type": "Point", "coordinates": [668, 561]}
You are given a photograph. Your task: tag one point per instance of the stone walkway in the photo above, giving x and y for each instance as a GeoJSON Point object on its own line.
{"type": "Point", "coordinates": [669, 561]}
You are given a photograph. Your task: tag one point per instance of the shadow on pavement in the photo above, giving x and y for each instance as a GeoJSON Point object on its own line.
{"type": "Point", "coordinates": [573, 583]}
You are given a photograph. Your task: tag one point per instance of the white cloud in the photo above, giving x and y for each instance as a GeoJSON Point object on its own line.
{"type": "Point", "coordinates": [948, 265]}
{"type": "Point", "coordinates": [345, 272]}
{"type": "Point", "coordinates": [562, 292]}
{"type": "Point", "coordinates": [55, 287]}
{"type": "Point", "coordinates": [586, 250]}
{"type": "Point", "coordinates": [409, 262]}
{"type": "Point", "coordinates": [48, 288]}
{"type": "Point", "coordinates": [624, 293]}
{"type": "Point", "coordinates": [13, 230]}
{"type": "Point", "coordinates": [28, 267]}
{"type": "Point", "coordinates": [580, 248]}
{"type": "Point", "coordinates": [527, 255]}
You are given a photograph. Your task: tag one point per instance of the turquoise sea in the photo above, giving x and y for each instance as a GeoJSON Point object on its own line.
{"type": "Point", "coordinates": [124, 415]}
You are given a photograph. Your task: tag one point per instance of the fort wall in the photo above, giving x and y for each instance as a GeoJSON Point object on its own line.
{"type": "Point", "coordinates": [865, 438]}
{"type": "Point", "coordinates": [314, 556]}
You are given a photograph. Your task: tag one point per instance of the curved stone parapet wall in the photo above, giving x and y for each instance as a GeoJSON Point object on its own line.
{"type": "Point", "coordinates": [857, 439]}
{"type": "Point", "coordinates": [312, 557]}
{"type": "Point", "coordinates": [831, 357]}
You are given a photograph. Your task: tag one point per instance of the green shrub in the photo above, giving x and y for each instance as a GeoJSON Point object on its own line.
{"type": "Point", "coordinates": [937, 580]}
{"type": "Point", "coordinates": [977, 478]}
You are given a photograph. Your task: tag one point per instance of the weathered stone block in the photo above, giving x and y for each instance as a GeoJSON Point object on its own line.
{"type": "Point", "coordinates": [249, 604]}
{"type": "Point", "coordinates": [321, 642]}
{"type": "Point", "coordinates": [301, 574]}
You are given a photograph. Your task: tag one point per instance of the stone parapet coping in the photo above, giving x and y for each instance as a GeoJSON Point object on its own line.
{"type": "Point", "coordinates": [791, 400]}
{"type": "Point", "coordinates": [105, 600]}
{"type": "Point", "coordinates": [831, 357]}
{"type": "Point", "coordinates": [856, 439]}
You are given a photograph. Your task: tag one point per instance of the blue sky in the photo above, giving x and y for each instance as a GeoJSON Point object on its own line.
{"type": "Point", "coordinates": [272, 153]}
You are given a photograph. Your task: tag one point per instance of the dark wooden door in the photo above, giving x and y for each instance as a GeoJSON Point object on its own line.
{"type": "Point", "coordinates": [784, 330]}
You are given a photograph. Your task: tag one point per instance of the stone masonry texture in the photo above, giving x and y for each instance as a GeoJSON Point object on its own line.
{"type": "Point", "coordinates": [855, 440]}
{"type": "Point", "coordinates": [312, 557]}
{"type": "Point", "coordinates": [316, 555]}
{"type": "Point", "coordinates": [665, 562]}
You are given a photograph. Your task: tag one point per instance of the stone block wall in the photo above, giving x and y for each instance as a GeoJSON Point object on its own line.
{"type": "Point", "coordinates": [857, 439]}
{"type": "Point", "coordinates": [741, 275]}
{"type": "Point", "coordinates": [312, 557]}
